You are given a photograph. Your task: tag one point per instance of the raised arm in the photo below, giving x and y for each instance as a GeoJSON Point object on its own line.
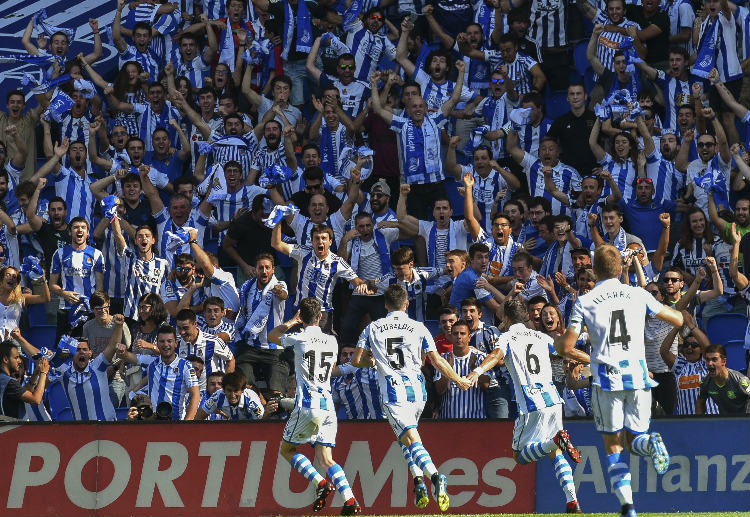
{"type": "Point", "coordinates": [588, 10]}
{"type": "Point", "coordinates": [26, 38]}
{"type": "Point", "coordinates": [377, 106]}
{"type": "Point", "coordinates": [683, 155]}
{"type": "Point", "coordinates": [446, 40]}
{"type": "Point", "coordinates": [277, 243]}
{"type": "Point", "coordinates": [448, 105]}
{"type": "Point", "coordinates": [120, 42]}
{"type": "Point", "coordinates": [149, 190]}
{"type": "Point", "coordinates": [190, 113]}
{"type": "Point", "coordinates": [53, 164]}
{"type": "Point", "coordinates": [596, 149]}
{"type": "Point", "coordinates": [511, 145]}
{"type": "Point", "coordinates": [402, 52]}
{"type": "Point", "coordinates": [740, 280]}
{"type": "Point", "coordinates": [722, 146]}
{"type": "Point", "coordinates": [469, 218]}
{"type": "Point", "coordinates": [209, 53]}
{"type": "Point", "coordinates": [452, 167]}
{"type": "Point", "coordinates": [665, 349]}
{"type": "Point", "coordinates": [409, 221]}
{"type": "Point", "coordinates": [253, 97]}
{"type": "Point", "coordinates": [98, 51]}
{"type": "Point", "coordinates": [355, 175]}
{"type": "Point", "coordinates": [657, 261]}
{"type": "Point", "coordinates": [310, 66]}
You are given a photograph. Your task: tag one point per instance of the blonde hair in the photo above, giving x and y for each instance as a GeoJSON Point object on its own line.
{"type": "Point", "coordinates": [15, 295]}
{"type": "Point", "coordinates": [607, 262]}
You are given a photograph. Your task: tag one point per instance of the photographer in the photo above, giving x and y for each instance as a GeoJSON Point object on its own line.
{"type": "Point", "coordinates": [182, 289]}
{"type": "Point", "coordinates": [234, 401]}
{"type": "Point", "coordinates": [141, 408]}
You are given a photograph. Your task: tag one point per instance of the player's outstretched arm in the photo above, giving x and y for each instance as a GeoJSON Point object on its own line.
{"type": "Point", "coordinates": [361, 359]}
{"type": "Point", "coordinates": [671, 316]}
{"type": "Point", "coordinates": [275, 335]}
{"type": "Point", "coordinates": [578, 356]}
{"type": "Point", "coordinates": [447, 370]}
{"type": "Point", "coordinates": [567, 342]}
{"type": "Point", "coordinates": [488, 364]}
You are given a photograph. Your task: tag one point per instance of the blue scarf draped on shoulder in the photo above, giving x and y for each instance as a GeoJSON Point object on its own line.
{"type": "Point", "coordinates": [303, 24]}
{"type": "Point", "coordinates": [383, 251]}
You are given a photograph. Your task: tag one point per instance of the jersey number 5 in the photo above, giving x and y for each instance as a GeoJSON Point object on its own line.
{"type": "Point", "coordinates": [395, 355]}
{"type": "Point", "coordinates": [325, 362]}
{"type": "Point", "coordinates": [618, 320]}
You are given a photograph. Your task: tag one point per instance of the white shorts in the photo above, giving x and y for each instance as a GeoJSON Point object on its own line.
{"type": "Point", "coordinates": [614, 410]}
{"type": "Point", "coordinates": [537, 426]}
{"type": "Point", "coordinates": [403, 415]}
{"type": "Point", "coordinates": [313, 426]}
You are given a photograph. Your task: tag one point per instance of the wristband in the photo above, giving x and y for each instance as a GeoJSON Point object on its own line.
{"type": "Point", "coordinates": [479, 370]}
{"type": "Point", "coordinates": [192, 241]}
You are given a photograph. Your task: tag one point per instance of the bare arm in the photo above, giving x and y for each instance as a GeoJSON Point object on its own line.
{"type": "Point", "coordinates": [666, 345]}
{"type": "Point", "coordinates": [469, 218]}
{"type": "Point", "coordinates": [377, 107]}
{"type": "Point", "coordinates": [402, 52]}
{"type": "Point", "coordinates": [588, 10]}
{"type": "Point", "coordinates": [740, 280]}
{"type": "Point", "coordinates": [195, 398]}
{"type": "Point", "coordinates": [120, 43]}
{"type": "Point", "coordinates": [446, 40]}
{"type": "Point", "coordinates": [683, 155]}
{"type": "Point", "coordinates": [596, 149]}
{"type": "Point", "coordinates": [657, 260]}
{"type": "Point", "coordinates": [26, 38]}
{"type": "Point", "coordinates": [448, 105]}
{"type": "Point", "coordinates": [277, 243]}
{"type": "Point", "coordinates": [313, 70]}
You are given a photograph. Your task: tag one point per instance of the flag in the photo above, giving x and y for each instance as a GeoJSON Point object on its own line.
{"type": "Point", "coordinates": [205, 148]}
{"type": "Point", "coordinates": [40, 59]}
{"type": "Point", "coordinates": [175, 240]}
{"type": "Point", "coordinates": [219, 189]}
{"type": "Point", "coordinates": [79, 313]}
{"type": "Point", "coordinates": [58, 106]}
{"type": "Point", "coordinates": [278, 213]}
{"type": "Point", "coordinates": [338, 46]}
{"type": "Point", "coordinates": [109, 207]}
{"type": "Point", "coordinates": [32, 268]}
{"type": "Point", "coordinates": [87, 88]}
{"type": "Point", "coordinates": [274, 175]}
{"type": "Point", "coordinates": [521, 116]}
{"type": "Point", "coordinates": [226, 47]}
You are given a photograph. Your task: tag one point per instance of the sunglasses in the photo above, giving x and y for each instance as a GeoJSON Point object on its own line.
{"type": "Point", "coordinates": [376, 17]}
{"type": "Point", "coordinates": [144, 307]}
{"type": "Point", "coordinates": [344, 67]}
{"type": "Point", "coordinates": [497, 80]}
{"type": "Point", "coordinates": [183, 269]}
{"type": "Point", "coordinates": [670, 280]}
{"type": "Point", "coordinates": [100, 309]}
{"type": "Point", "coordinates": [644, 180]}
{"type": "Point", "coordinates": [701, 145]}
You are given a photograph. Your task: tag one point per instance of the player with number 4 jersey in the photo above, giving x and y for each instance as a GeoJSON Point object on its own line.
{"type": "Point", "coordinates": [538, 431]}
{"type": "Point", "coordinates": [313, 419]}
{"type": "Point", "coordinates": [397, 343]}
{"type": "Point", "coordinates": [614, 314]}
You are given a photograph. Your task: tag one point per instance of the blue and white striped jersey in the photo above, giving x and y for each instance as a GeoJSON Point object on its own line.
{"type": "Point", "coordinates": [332, 144]}
{"type": "Point", "coordinates": [742, 17]}
{"type": "Point", "coordinates": [147, 60]}
{"type": "Point", "coordinates": [238, 148]}
{"type": "Point", "coordinates": [688, 378]}
{"type": "Point", "coordinates": [681, 15]}
{"type": "Point", "coordinates": [501, 257]}
{"type": "Point", "coordinates": [248, 408]}
{"type": "Point", "coordinates": [149, 120]}
{"type": "Point", "coordinates": [725, 40]}
{"type": "Point", "coordinates": [214, 352]}
{"type": "Point", "coordinates": [314, 357]}
{"type": "Point", "coordinates": [457, 403]}
{"type": "Point", "coordinates": [435, 95]}
{"type": "Point", "coordinates": [609, 42]}
{"type": "Point", "coordinates": [142, 276]}
{"type": "Point", "coordinates": [169, 382]}
{"type": "Point", "coordinates": [317, 277]}
{"type": "Point", "coordinates": [368, 49]}
{"type": "Point", "coordinates": [496, 113]}
{"type": "Point", "coordinates": [677, 93]}
{"type": "Point", "coordinates": [216, 124]}
{"type": "Point", "coordinates": [416, 289]}
{"type": "Point", "coordinates": [519, 70]}
{"type": "Point", "coordinates": [614, 314]}
{"type": "Point", "coordinates": [624, 174]}
{"type": "Point", "coordinates": [75, 190]}
{"type": "Point", "coordinates": [527, 354]}
{"type": "Point", "coordinates": [529, 136]}
{"type": "Point", "coordinates": [667, 179]}
{"type": "Point", "coordinates": [242, 198]}
{"type": "Point", "coordinates": [485, 191]}
{"type": "Point", "coordinates": [77, 270]}
{"type": "Point", "coordinates": [353, 95]}
{"type": "Point", "coordinates": [419, 147]}
{"type": "Point", "coordinates": [260, 310]}
{"type": "Point", "coordinates": [76, 129]}
{"type": "Point", "coordinates": [549, 23]}
{"type": "Point", "coordinates": [222, 285]}
{"type": "Point", "coordinates": [358, 395]}
{"type": "Point", "coordinates": [224, 326]}
{"type": "Point", "coordinates": [115, 274]}
{"type": "Point", "coordinates": [174, 291]}
{"type": "Point", "coordinates": [264, 157]}
{"type": "Point", "coordinates": [164, 223]}
{"type": "Point", "coordinates": [195, 70]}
{"type": "Point", "coordinates": [10, 199]}
{"type": "Point", "coordinates": [397, 343]}
{"type": "Point", "coordinates": [88, 391]}
{"type": "Point", "coordinates": [566, 179]}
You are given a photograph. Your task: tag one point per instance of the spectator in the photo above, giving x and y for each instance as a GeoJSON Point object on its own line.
{"type": "Point", "coordinates": [728, 388]}
{"type": "Point", "coordinates": [12, 395]}
{"type": "Point", "coordinates": [216, 355]}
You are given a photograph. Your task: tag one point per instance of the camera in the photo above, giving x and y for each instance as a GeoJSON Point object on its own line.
{"type": "Point", "coordinates": [144, 412]}
{"type": "Point", "coordinates": [164, 411]}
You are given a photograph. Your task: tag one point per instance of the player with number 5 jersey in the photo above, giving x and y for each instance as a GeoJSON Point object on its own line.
{"type": "Point", "coordinates": [538, 430]}
{"type": "Point", "coordinates": [397, 343]}
{"type": "Point", "coordinates": [614, 314]}
{"type": "Point", "coordinates": [313, 419]}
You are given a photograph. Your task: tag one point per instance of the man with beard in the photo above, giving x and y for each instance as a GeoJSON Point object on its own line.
{"type": "Point", "coordinates": [15, 103]}
{"type": "Point", "coordinates": [566, 178]}
{"type": "Point", "coordinates": [308, 180]}
{"type": "Point", "coordinates": [216, 355]}
{"type": "Point", "coordinates": [379, 202]}
{"type": "Point", "coordinates": [71, 183]}
{"type": "Point", "coordinates": [77, 271]}
{"type": "Point", "coordinates": [246, 238]}
{"type": "Point", "coordinates": [354, 93]}
{"type": "Point", "coordinates": [675, 83]}
{"type": "Point", "coordinates": [262, 305]}
{"type": "Point", "coordinates": [53, 234]}
{"type": "Point", "coordinates": [667, 180]}
{"type": "Point", "coordinates": [170, 378]}
{"type": "Point", "coordinates": [157, 113]}
{"type": "Point", "coordinates": [643, 213]}
{"type": "Point", "coordinates": [276, 148]}
{"type": "Point", "coordinates": [741, 218]}
{"type": "Point", "coordinates": [182, 290]}
{"type": "Point", "coordinates": [12, 394]}
{"type": "Point", "coordinates": [139, 51]}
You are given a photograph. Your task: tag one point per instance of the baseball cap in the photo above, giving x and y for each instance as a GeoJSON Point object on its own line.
{"type": "Point", "coordinates": [381, 186]}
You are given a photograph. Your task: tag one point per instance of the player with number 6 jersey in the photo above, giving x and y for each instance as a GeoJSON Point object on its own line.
{"type": "Point", "coordinates": [313, 419]}
{"type": "Point", "coordinates": [397, 343]}
{"type": "Point", "coordinates": [614, 314]}
{"type": "Point", "coordinates": [538, 430]}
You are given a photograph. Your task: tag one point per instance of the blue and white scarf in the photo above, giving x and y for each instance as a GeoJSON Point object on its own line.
{"type": "Point", "coordinates": [432, 244]}
{"type": "Point", "coordinates": [58, 106]}
{"type": "Point", "coordinates": [48, 29]}
{"type": "Point", "coordinates": [32, 268]}
{"type": "Point", "coordinates": [256, 321]}
{"type": "Point", "coordinates": [706, 56]}
{"type": "Point", "coordinates": [304, 29]}
{"type": "Point", "coordinates": [383, 251]}
{"type": "Point", "coordinates": [109, 207]}
{"type": "Point", "coordinates": [79, 312]}
{"type": "Point", "coordinates": [414, 152]}
{"type": "Point", "coordinates": [41, 59]}
{"type": "Point", "coordinates": [275, 175]}
{"type": "Point", "coordinates": [44, 86]}
{"type": "Point", "coordinates": [278, 213]}
{"type": "Point", "coordinates": [175, 240]}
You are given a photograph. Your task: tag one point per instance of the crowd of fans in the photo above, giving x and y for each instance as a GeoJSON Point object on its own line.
{"type": "Point", "coordinates": [243, 155]}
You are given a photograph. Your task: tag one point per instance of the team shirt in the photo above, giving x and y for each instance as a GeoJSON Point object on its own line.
{"type": "Point", "coordinates": [149, 121]}
{"type": "Point", "coordinates": [529, 136]}
{"type": "Point", "coordinates": [143, 276]}
{"type": "Point", "coordinates": [77, 270]}
{"type": "Point", "coordinates": [238, 148]}
{"type": "Point", "coordinates": [222, 286]}
{"type": "Point", "coordinates": [419, 147]}
{"type": "Point", "coordinates": [441, 241]}
{"type": "Point", "coordinates": [668, 181]}
{"type": "Point", "coordinates": [260, 310]}
{"type": "Point", "coordinates": [353, 95]}
{"type": "Point", "coordinates": [302, 227]}
{"type": "Point", "coordinates": [416, 289]}
{"type": "Point", "coordinates": [214, 352]}
{"type": "Point", "coordinates": [519, 71]}
{"type": "Point", "coordinates": [169, 382]}
{"type": "Point", "coordinates": [368, 49]}
{"type": "Point", "coordinates": [164, 223]}
{"type": "Point", "coordinates": [501, 257]}
{"type": "Point", "coordinates": [688, 378]}
{"type": "Point", "coordinates": [88, 391]}
{"type": "Point", "coordinates": [248, 408]}
{"type": "Point", "coordinates": [397, 343]}
{"type": "Point", "coordinates": [548, 23]}
{"type": "Point", "coordinates": [357, 395]}
{"type": "Point", "coordinates": [485, 191]}
{"type": "Point", "coordinates": [609, 42]}
{"type": "Point", "coordinates": [614, 315]}
{"type": "Point", "coordinates": [115, 274]}
{"type": "Point", "coordinates": [676, 94]}
{"type": "Point", "coordinates": [224, 326]}
{"type": "Point", "coordinates": [436, 94]}
{"type": "Point", "coordinates": [457, 403]}
{"type": "Point", "coordinates": [496, 114]}
{"type": "Point", "coordinates": [725, 39]}
{"type": "Point", "coordinates": [75, 190]}
{"type": "Point", "coordinates": [147, 60]}
{"type": "Point", "coordinates": [720, 177]}
{"type": "Point", "coordinates": [565, 177]}
{"type": "Point", "coordinates": [527, 354]}
{"type": "Point", "coordinates": [681, 15]}
{"type": "Point", "coordinates": [317, 277]}
{"type": "Point", "coordinates": [314, 357]}
{"type": "Point", "coordinates": [195, 70]}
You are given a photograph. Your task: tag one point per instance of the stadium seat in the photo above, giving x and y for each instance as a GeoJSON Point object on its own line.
{"type": "Point", "coordinates": [37, 315]}
{"type": "Point", "coordinates": [736, 354]}
{"type": "Point", "coordinates": [42, 335]}
{"type": "Point", "coordinates": [122, 413]}
{"type": "Point", "coordinates": [723, 328]}
{"type": "Point", "coordinates": [58, 400]}
{"type": "Point", "coordinates": [556, 103]}
{"type": "Point", "coordinates": [579, 57]}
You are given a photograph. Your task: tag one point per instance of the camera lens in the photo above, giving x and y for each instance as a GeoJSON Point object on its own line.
{"type": "Point", "coordinates": [164, 411]}
{"type": "Point", "coordinates": [145, 412]}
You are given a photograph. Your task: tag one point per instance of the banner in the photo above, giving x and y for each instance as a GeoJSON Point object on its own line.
{"type": "Point", "coordinates": [234, 469]}
{"type": "Point", "coordinates": [709, 471]}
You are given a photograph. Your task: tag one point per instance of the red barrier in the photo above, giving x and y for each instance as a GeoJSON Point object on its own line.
{"type": "Point", "coordinates": [234, 469]}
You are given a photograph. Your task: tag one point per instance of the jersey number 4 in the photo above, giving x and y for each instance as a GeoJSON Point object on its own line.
{"type": "Point", "coordinates": [395, 355]}
{"type": "Point", "coordinates": [325, 362]}
{"type": "Point", "coordinates": [618, 331]}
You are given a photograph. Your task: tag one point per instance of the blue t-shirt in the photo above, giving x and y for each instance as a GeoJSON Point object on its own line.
{"type": "Point", "coordinates": [463, 287]}
{"type": "Point", "coordinates": [645, 220]}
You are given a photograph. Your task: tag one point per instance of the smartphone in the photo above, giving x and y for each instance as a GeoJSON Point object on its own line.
{"type": "Point", "coordinates": [413, 18]}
